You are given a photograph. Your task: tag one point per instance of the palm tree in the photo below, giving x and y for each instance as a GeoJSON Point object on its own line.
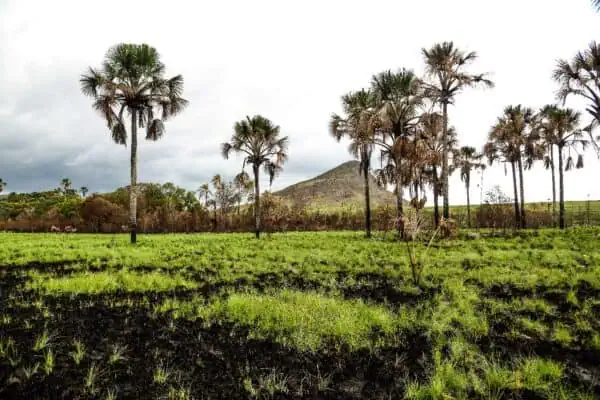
{"type": "Point", "coordinates": [217, 182]}
{"type": "Point", "coordinates": [204, 191]}
{"type": "Point", "coordinates": [65, 185]}
{"type": "Point", "coordinates": [398, 98]}
{"type": "Point", "coordinates": [132, 80]}
{"type": "Point", "coordinates": [259, 141]}
{"type": "Point", "coordinates": [430, 130]}
{"type": "Point", "coordinates": [518, 128]}
{"type": "Point", "coordinates": [243, 184]}
{"type": "Point", "coordinates": [358, 107]}
{"type": "Point", "coordinates": [446, 64]}
{"type": "Point", "coordinates": [563, 131]}
{"type": "Point", "coordinates": [466, 159]}
{"type": "Point", "coordinates": [547, 130]}
{"type": "Point", "coordinates": [3, 184]}
{"type": "Point", "coordinates": [213, 203]}
{"type": "Point", "coordinates": [83, 190]}
{"type": "Point", "coordinates": [500, 148]}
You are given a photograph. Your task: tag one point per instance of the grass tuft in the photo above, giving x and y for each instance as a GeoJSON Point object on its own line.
{"type": "Point", "coordinates": [308, 320]}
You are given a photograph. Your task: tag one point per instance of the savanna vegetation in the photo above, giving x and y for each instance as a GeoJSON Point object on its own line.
{"type": "Point", "coordinates": [300, 315]}
{"type": "Point", "coordinates": [417, 309]}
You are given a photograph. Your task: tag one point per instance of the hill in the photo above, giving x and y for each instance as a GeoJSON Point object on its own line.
{"type": "Point", "coordinates": [340, 187]}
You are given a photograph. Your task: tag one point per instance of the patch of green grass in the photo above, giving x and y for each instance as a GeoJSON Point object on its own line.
{"type": "Point", "coordinates": [538, 375]}
{"type": "Point", "coordinates": [562, 335]}
{"type": "Point", "coordinates": [532, 327]}
{"type": "Point", "coordinates": [78, 352]}
{"type": "Point", "coordinates": [308, 320]}
{"type": "Point", "coordinates": [101, 282]}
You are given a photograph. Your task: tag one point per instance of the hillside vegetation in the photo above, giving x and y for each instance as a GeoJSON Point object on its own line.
{"type": "Point", "coordinates": [339, 188]}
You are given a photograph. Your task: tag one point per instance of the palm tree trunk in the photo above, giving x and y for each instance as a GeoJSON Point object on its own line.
{"type": "Point", "coordinates": [399, 191]}
{"type": "Point", "coordinates": [517, 213]}
{"type": "Point", "coordinates": [445, 161]}
{"type": "Point", "coordinates": [417, 193]}
{"type": "Point", "coordinates": [436, 205]}
{"type": "Point", "coordinates": [216, 224]}
{"type": "Point", "coordinates": [255, 168]}
{"type": "Point", "coordinates": [367, 196]}
{"type": "Point", "coordinates": [561, 190]}
{"type": "Point", "coordinates": [522, 191]}
{"type": "Point", "coordinates": [399, 201]}
{"type": "Point", "coordinates": [467, 185]}
{"type": "Point", "coordinates": [133, 183]}
{"type": "Point", "coordinates": [553, 185]}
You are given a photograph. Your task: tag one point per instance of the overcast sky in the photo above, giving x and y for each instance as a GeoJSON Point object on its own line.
{"type": "Point", "coordinates": [289, 61]}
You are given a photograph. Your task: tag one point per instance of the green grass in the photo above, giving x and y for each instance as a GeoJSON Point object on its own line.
{"type": "Point", "coordinates": [486, 311]}
{"type": "Point", "coordinates": [306, 320]}
{"type": "Point", "coordinates": [100, 282]}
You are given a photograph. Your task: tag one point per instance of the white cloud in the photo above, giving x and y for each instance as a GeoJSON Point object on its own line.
{"type": "Point", "coordinates": [288, 61]}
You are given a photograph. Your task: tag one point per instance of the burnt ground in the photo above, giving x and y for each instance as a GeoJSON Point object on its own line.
{"type": "Point", "coordinates": [203, 359]}
{"type": "Point", "coordinates": [218, 360]}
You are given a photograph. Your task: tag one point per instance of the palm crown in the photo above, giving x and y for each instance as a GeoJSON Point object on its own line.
{"type": "Point", "coordinates": [515, 134]}
{"type": "Point", "coordinates": [132, 79]}
{"type": "Point", "coordinates": [398, 97]}
{"type": "Point", "coordinates": [430, 131]}
{"type": "Point", "coordinates": [561, 128]}
{"type": "Point", "coordinates": [446, 63]}
{"type": "Point", "coordinates": [357, 126]}
{"type": "Point", "coordinates": [465, 160]}
{"type": "Point", "coordinates": [259, 141]}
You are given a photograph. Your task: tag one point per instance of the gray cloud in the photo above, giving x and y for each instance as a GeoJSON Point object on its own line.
{"type": "Point", "coordinates": [286, 61]}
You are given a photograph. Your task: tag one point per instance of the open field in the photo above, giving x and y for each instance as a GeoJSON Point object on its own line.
{"type": "Point", "coordinates": [299, 315]}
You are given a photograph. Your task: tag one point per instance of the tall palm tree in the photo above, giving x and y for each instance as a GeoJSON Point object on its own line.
{"type": "Point", "coordinates": [355, 126]}
{"type": "Point", "coordinates": [258, 140]}
{"type": "Point", "coordinates": [243, 184]}
{"type": "Point", "coordinates": [3, 184]}
{"type": "Point", "coordinates": [398, 98]}
{"type": "Point", "coordinates": [446, 65]}
{"type": "Point", "coordinates": [83, 190]}
{"type": "Point", "coordinates": [547, 136]}
{"type": "Point", "coordinates": [131, 80]}
{"type": "Point", "coordinates": [500, 148]}
{"type": "Point", "coordinates": [430, 130]}
{"type": "Point", "coordinates": [466, 159]}
{"type": "Point", "coordinates": [203, 192]}
{"type": "Point", "coordinates": [518, 128]}
{"type": "Point", "coordinates": [563, 131]}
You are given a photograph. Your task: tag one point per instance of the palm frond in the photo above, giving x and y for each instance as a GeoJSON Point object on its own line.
{"type": "Point", "coordinates": [156, 130]}
{"type": "Point", "coordinates": [119, 133]}
{"type": "Point", "coordinates": [91, 82]}
{"type": "Point", "coordinates": [226, 150]}
{"type": "Point", "coordinates": [569, 164]}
